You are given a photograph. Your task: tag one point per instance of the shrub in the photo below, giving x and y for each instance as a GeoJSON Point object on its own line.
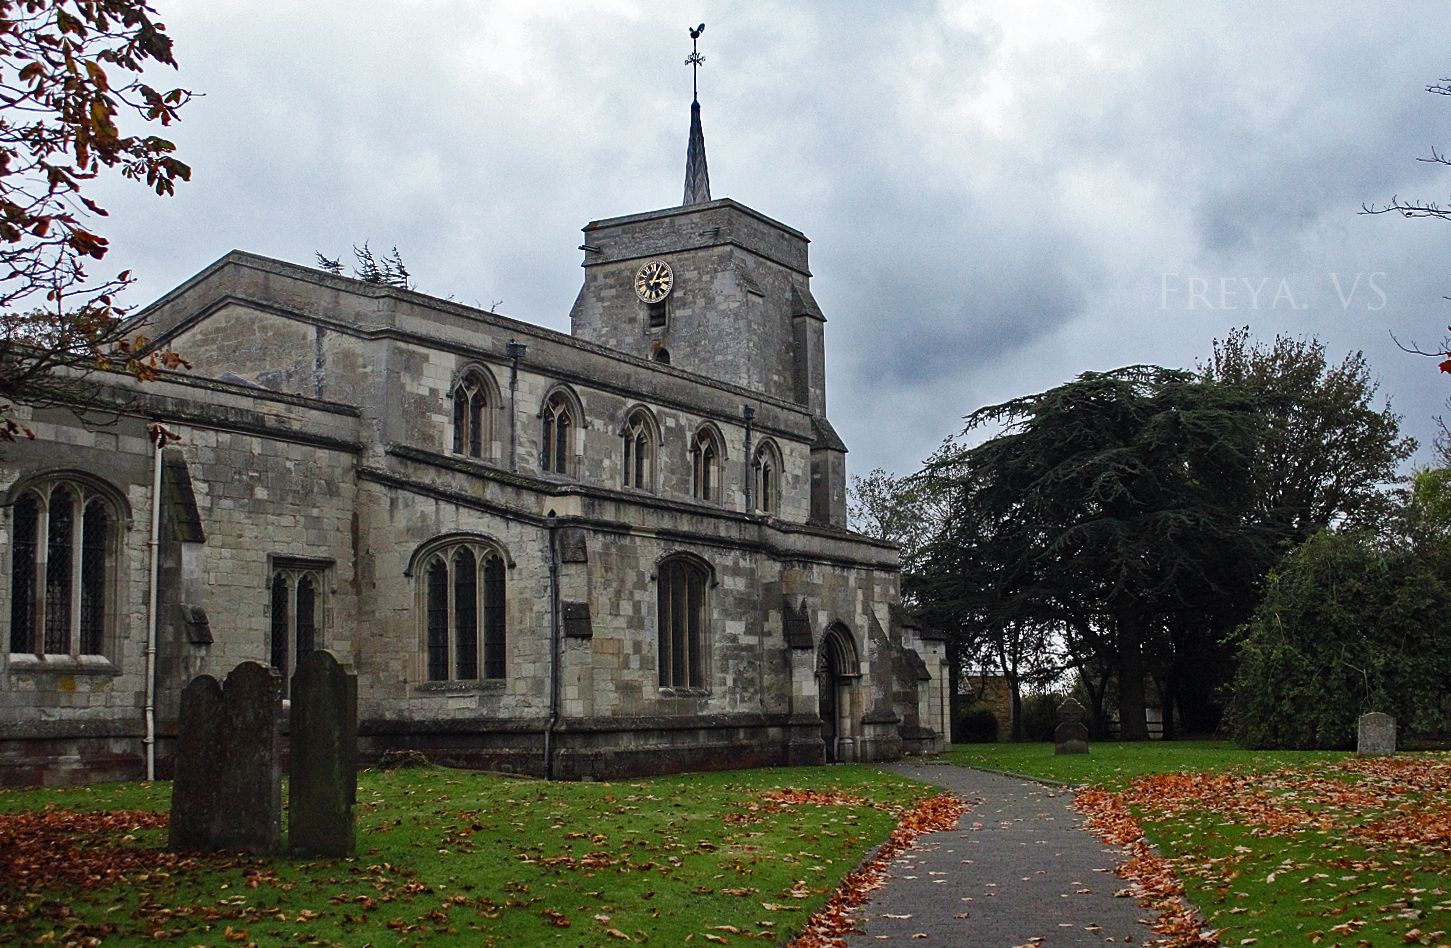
{"type": "Point", "coordinates": [978, 725]}
{"type": "Point", "coordinates": [1040, 716]}
{"type": "Point", "coordinates": [1344, 628]}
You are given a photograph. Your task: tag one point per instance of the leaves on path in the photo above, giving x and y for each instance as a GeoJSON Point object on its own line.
{"type": "Point", "coordinates": [830, 925]}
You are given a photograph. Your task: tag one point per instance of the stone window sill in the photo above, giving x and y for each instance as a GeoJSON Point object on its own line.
{"type": "Point", "coordinates": [485, 685]}
{"type": "Point", "coordinates": [684, 692]}
{"type": "Point", "coordinates": [26, 663]}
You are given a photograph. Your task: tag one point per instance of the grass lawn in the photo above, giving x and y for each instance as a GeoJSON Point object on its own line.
{"type": "Point", "coordinates": [1280, 848]}
{"type": "Point", "coordinates": [451, 855]}
{"type": "Point", "coordinates": [1115, 765]}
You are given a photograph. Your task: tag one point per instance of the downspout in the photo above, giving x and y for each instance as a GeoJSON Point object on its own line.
{"type": "Point", "coordinates": [553, 649]}
{"type": "Point", "coordinates": [515, 351]}
{"type": "Point", "coordinates": [159, 437]}
{"type": "Point", "coordinates": [749, 414]}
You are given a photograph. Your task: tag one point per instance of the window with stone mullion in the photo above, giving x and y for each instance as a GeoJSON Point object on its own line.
{"type": "Point", "coordinates": [60, 571]}
{"type": "Point", "coordinates": [463, 585]}
{"type": "Point", "coordinates": [680, 615]}
{"type": "Point", "coordinates": [295, 603]}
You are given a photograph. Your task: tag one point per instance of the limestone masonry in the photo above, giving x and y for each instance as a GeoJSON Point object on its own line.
{"type": "Point", "coordinates": [615, 552]}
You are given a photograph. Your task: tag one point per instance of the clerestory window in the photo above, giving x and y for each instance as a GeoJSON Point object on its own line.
{"type": "Point", "coordinates": [766, 470]}
{"type": "Point", "coordinates": [471, 428]}
{"type": "Point", "coordinates": [557, 455]}
{"type": "Point", "coordinates": [639, 454]}
{"type": "Point", "coordinates": [705, 455]}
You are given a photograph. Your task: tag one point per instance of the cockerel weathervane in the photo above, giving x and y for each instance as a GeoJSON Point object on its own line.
{"type": "Point", "coordinates": [695, 61]}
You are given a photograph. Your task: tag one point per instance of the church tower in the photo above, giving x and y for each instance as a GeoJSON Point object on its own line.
{"type": "Point", "coordinates": [720, 290]}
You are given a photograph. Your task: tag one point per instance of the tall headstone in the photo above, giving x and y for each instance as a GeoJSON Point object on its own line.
{"type": "Point", "coordinates": [198, 759]}
{"type": "Point", "coordinates": [323, 729]}
{"type": "Point", "coordinates": [1376, 735]}
{"type": "Point", "coordinates": [1071, 735]}
{"type": "Point", "coordinates": [249, 791]}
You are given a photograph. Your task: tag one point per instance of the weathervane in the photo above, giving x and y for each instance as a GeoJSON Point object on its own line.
{"type": "Point", "coordinates": [695, 61]}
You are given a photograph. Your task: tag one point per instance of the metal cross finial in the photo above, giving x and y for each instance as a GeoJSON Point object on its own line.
{"type": "Point", "coordinates": [695, 61]}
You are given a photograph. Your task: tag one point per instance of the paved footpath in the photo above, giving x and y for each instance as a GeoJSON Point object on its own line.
{"type": "Point", "coordinates": [1018, 867]}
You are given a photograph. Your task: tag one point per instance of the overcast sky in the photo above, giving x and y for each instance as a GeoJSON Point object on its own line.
{"type": "Point", "coordinates": [999, 195]}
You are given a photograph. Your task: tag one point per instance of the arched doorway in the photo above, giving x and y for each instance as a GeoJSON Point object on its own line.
{"type": "Point", "coordinates": [837, 670]}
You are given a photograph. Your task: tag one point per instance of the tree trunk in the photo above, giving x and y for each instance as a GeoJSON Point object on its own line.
{"type": "Point", "coordinates": [1017, 696]}
{"type": "Point", "coordinates": [1133, 725]}
{"type": "Point", "coordinates": [954, 680]}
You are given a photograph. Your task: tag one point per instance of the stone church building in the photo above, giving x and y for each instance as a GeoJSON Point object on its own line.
{"type": "Point", "coordinates": [618, 551]}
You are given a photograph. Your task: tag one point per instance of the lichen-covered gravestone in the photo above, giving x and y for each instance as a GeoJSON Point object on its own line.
{"type": "Point", "coordinates": [1376, 735]}
{"type": "Point", "coordinates": [1071, 735]}
{"type": "Point", "coordinates": [323, 728]}
{"type": "Point", "coordinates": [198, 758]}
{"type": "Point", "coordinates": [249, 791]}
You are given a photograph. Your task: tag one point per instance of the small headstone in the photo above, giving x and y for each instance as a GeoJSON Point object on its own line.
{"type": "Point", "coordinates": [323, 727]}
{"type": "Point", "coordinates": [249, 782]}
{"type": "Point", "coordinates": [1377, 735]}
{"type": "Point", "coordinates": [1071, 735]}
{"type": "Point", "coordinates": [198, 759]}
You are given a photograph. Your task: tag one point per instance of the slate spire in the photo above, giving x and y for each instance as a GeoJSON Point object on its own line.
{"type": "Point", "coordinates": [697, 176]}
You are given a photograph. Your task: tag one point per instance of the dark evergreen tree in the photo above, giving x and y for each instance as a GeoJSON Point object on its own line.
{"type": "Point", "coordinates": [1115, 511]}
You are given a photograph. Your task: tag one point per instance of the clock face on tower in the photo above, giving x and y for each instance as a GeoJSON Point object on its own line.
{"type": "Point", "coordinates": [653, 281]}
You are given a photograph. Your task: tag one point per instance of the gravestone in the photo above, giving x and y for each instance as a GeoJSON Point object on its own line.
{"type": "Point", "coordinates": [1071, 735]}
{"type": "Point", "coordinates": [249, 781]}
{"type": "Point", "coordinates": [198, 759]}
{"type": "Point", "coordinates": [1377, 735]}
{"type": "Point", "coordinates": [323, 729]}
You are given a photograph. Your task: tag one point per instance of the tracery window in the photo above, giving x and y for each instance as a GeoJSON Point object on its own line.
{"type": "Point", "coordinates": [471, 432]}
{"type": "Point", "coordinates": [559, 424]}
{"type": "Point", "coordinates": [766, 472]}
{"type": "Point", "coordinates": [462, 599]}
{"type": "Point", "coordinates": [705, 456]}
{"type": "Point", "coordinates": [297, 615]}
{"type": "Point", "coordinates": [64, 535]}
{"type": "Point", "coordinates": [639, 456]}
{"type": "Point", "coordinates": [681, 622]}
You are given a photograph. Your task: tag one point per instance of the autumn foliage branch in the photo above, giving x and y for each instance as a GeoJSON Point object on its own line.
{"type": "Point", "coordinates": [70, 72]}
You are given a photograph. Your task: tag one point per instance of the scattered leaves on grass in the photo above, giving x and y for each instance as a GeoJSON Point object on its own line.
{"type": "Point", "coordinates": [1348, 837]}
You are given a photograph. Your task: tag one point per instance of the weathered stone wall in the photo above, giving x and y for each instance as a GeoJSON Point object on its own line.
{"type": "Point", "coordinates": [258, 494]}
{"type": "Point", "coordinates": [362, 486]}
{"type": "Point", "coordinates": [729, 314]}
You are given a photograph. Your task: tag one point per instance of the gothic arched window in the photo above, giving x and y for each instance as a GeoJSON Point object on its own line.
{"type": "Point", "coordinates": [639, 456]}
{"type": "Point", "coordinates": [63, 563]}
{"type": "Point", "coordinates": [471, 428]}
{"type": "Point", "coordinates": [461, 595]}
{"type": "Point", "coordinates": [705, 455]}
{"type": "Point", "coordinates": [766, 472]}
{"type": "Point", "coordinates": [297, 614]}
{"type": "Point", "coordinates": [557, 453]}
{"type": "Point", "coordinates": [681, 622]}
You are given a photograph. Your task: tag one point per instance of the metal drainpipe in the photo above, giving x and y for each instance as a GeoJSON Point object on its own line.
{"type": "Point", "coordinates": [515, 351]}
{"type": "Point", "coordinates": [159, 435]}
{"type": "Point", "coordinates": [553, 650]}
{"type": "Point", "coordinates": [749, 414]}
